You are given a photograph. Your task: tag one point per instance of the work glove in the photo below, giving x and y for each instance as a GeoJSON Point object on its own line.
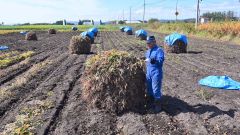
{"type": "Point", "coordinates": [153, 61]}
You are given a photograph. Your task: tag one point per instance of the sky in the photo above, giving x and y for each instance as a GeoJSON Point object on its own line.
{"type": "Point", "coordinates": [49, 11]}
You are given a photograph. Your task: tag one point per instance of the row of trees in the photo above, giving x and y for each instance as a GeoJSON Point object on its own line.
{"type": "Point", "coordinates": [221, 16]}
{"type": "Point", "coordinates": [61, 22]}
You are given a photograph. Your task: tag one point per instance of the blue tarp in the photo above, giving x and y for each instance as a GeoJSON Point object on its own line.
{"type": "Point", "coordinates": [126, 29]}
{"type": "Point", "coordinates": [94, 30]}
{"type": "Point", "coordinates": [23, 32]}
{"type": "Point", "coordinates": [3, 47]}
{"type": "Point", "coordinates": [88, 34]}
{"type": "Point", "coordinates": [175, 36]}
{"type": "Point", "coordinates": [221, 82]}
{"type": "Point", "coordinates": [141, 32]}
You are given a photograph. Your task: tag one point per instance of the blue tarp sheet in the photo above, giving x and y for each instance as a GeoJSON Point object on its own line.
{"type": "Point", "coordinates": [175, 36]}
{"type": "Point", "coordinates": [89, 34]}
{"type": "Point", "coordinates": [3, 47]}
{"type": "Point", "coordinates": [221, 82]}
{"type": "Point", "coordinates": [94, 30]}
{"type": "Point", "coordinates": [141, 32]}
{"type": "Point", "coordinates": [23, 32]}
{"type": "Point", "coordinates": [126, 29]}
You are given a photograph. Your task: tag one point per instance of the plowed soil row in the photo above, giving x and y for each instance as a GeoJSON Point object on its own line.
{"type": "Point", "coordinates": [46, 89]}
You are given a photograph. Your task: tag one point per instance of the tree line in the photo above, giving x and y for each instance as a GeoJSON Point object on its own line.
{"type": "Point", "coordinates": [221, 16]}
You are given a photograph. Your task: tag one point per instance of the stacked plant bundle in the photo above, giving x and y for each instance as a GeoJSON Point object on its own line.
{"type": "Point", "coordinates": [115, 81]}
{"type": "Point", "coordinates": [141, 34]}
{"type": "Point", "coordinates": [122, 28]}
{"type": "Point", "coordinates": [129, 32]}
{"type": "Point", "coordinates": [74, 28]}
{"type": "Point", "coordinates": [52, 31]}
{"type": "Point", "coordinates": [176, 43]}
{"type": "Point", "coordinates": [94, 30]}
{"type": "Point", "coordinates": [142, 37]}
{"type": "Point", "coordinates": [80, 45]}
{"type": "Point", "coordinates": [31, 36]}
{"type": "Point", "coordinates": [88, 34]}
{"type": "Point", "coordinates": [178, 47]}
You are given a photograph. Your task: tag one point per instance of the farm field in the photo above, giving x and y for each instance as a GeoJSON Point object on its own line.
{"type": "Point", "coordinates": [11, 29]}
{"type": "Point", "coordinates": [41, 93]}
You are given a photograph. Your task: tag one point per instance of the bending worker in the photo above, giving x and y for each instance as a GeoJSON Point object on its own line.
{"type": "Point", "coordinates": [154, 61]}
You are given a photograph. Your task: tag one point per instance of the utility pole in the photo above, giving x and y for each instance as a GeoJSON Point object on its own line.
{"type": "Point", "coordinates": [239, 14]}
{"type": "Point", "coordinates": [130, 17]}
{"type": "Point", "coordinates": [197, 17]}
{"type": "Point", "coordinates": [144, 7]}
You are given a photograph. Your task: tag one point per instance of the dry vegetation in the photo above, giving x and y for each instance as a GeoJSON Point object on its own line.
{"type": "Point", "coordinates": [231, 28]}
{"type": "Point", "coordinates": [28, 118]}
{"type": "Point", "coordinates": [5, 91]}
{"type": "Point", "coordinates": [80, 45]}
{"type": "Point", "coordinates": [114, 80]}
{"type": "Point", "coordinates": [11, 58]}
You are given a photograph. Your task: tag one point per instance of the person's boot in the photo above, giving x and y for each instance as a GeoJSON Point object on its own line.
{"type": "Point", "coordinates": [149, 102]}
{"type": "Point", "coordinates": [157, 106]}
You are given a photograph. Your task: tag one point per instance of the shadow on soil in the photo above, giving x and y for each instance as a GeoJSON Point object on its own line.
{"type": "Point", "coordinates": [173, 106]}
{"type": "Point", "coordinates": [194, 52]}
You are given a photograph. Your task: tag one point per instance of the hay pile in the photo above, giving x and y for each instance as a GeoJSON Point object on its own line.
{"type": "Point", "coordinates": [80, 45]}
{"type": "Point", "coordinates": [129, 32]}
{"type": "Point", "coordinates": [115, 81]}
{"type": "Point", "coordinates": [52, 31]}
{"type": "Point", "coordinates": [31, 36]}
{"type": "Point", "coordinates": [142, 37]}
{"type": "Point", "coordinates": [74, 28]}
{"type": "Point", "coordinates": [178, 47]}
{"type": "Point", "coordinates": [122, 29]}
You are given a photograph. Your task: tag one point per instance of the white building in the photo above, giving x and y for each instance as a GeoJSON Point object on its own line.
{"type": "Point", "coordinates": [134, 21]}
{"type": "Point", "coordinates": [204, 20]}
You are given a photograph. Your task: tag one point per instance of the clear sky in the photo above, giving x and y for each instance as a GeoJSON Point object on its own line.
{"type": "Point", "coordinates": [34, 11]}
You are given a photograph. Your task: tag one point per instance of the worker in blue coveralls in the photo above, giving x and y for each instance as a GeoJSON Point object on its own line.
{"type": "Point", "coordinates": [154, 62]}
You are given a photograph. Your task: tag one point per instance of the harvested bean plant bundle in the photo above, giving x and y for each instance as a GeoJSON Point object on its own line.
{"type": "Point", "coordinates": [80, 45]}
{"type": "Point", "coordinates": [31, 36]}
{"type": "Point", "coordinates": [52, 31]}
{"type": "Point", "coordinates": [115, 81]}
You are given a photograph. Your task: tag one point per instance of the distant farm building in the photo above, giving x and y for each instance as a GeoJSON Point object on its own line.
{"type": "Point", "coordinates": [134, 21]}
{"type": "Point", "coordinates": [204, 20]}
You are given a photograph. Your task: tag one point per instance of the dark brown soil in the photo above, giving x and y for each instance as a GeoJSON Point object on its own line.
{"type": "Point", "coordinates": [187, 107]}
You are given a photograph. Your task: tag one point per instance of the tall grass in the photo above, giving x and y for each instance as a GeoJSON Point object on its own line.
{"type": "Point", "coordinates": [222, 28]}
{"type": "Point", "coordinates": [226, 31]}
